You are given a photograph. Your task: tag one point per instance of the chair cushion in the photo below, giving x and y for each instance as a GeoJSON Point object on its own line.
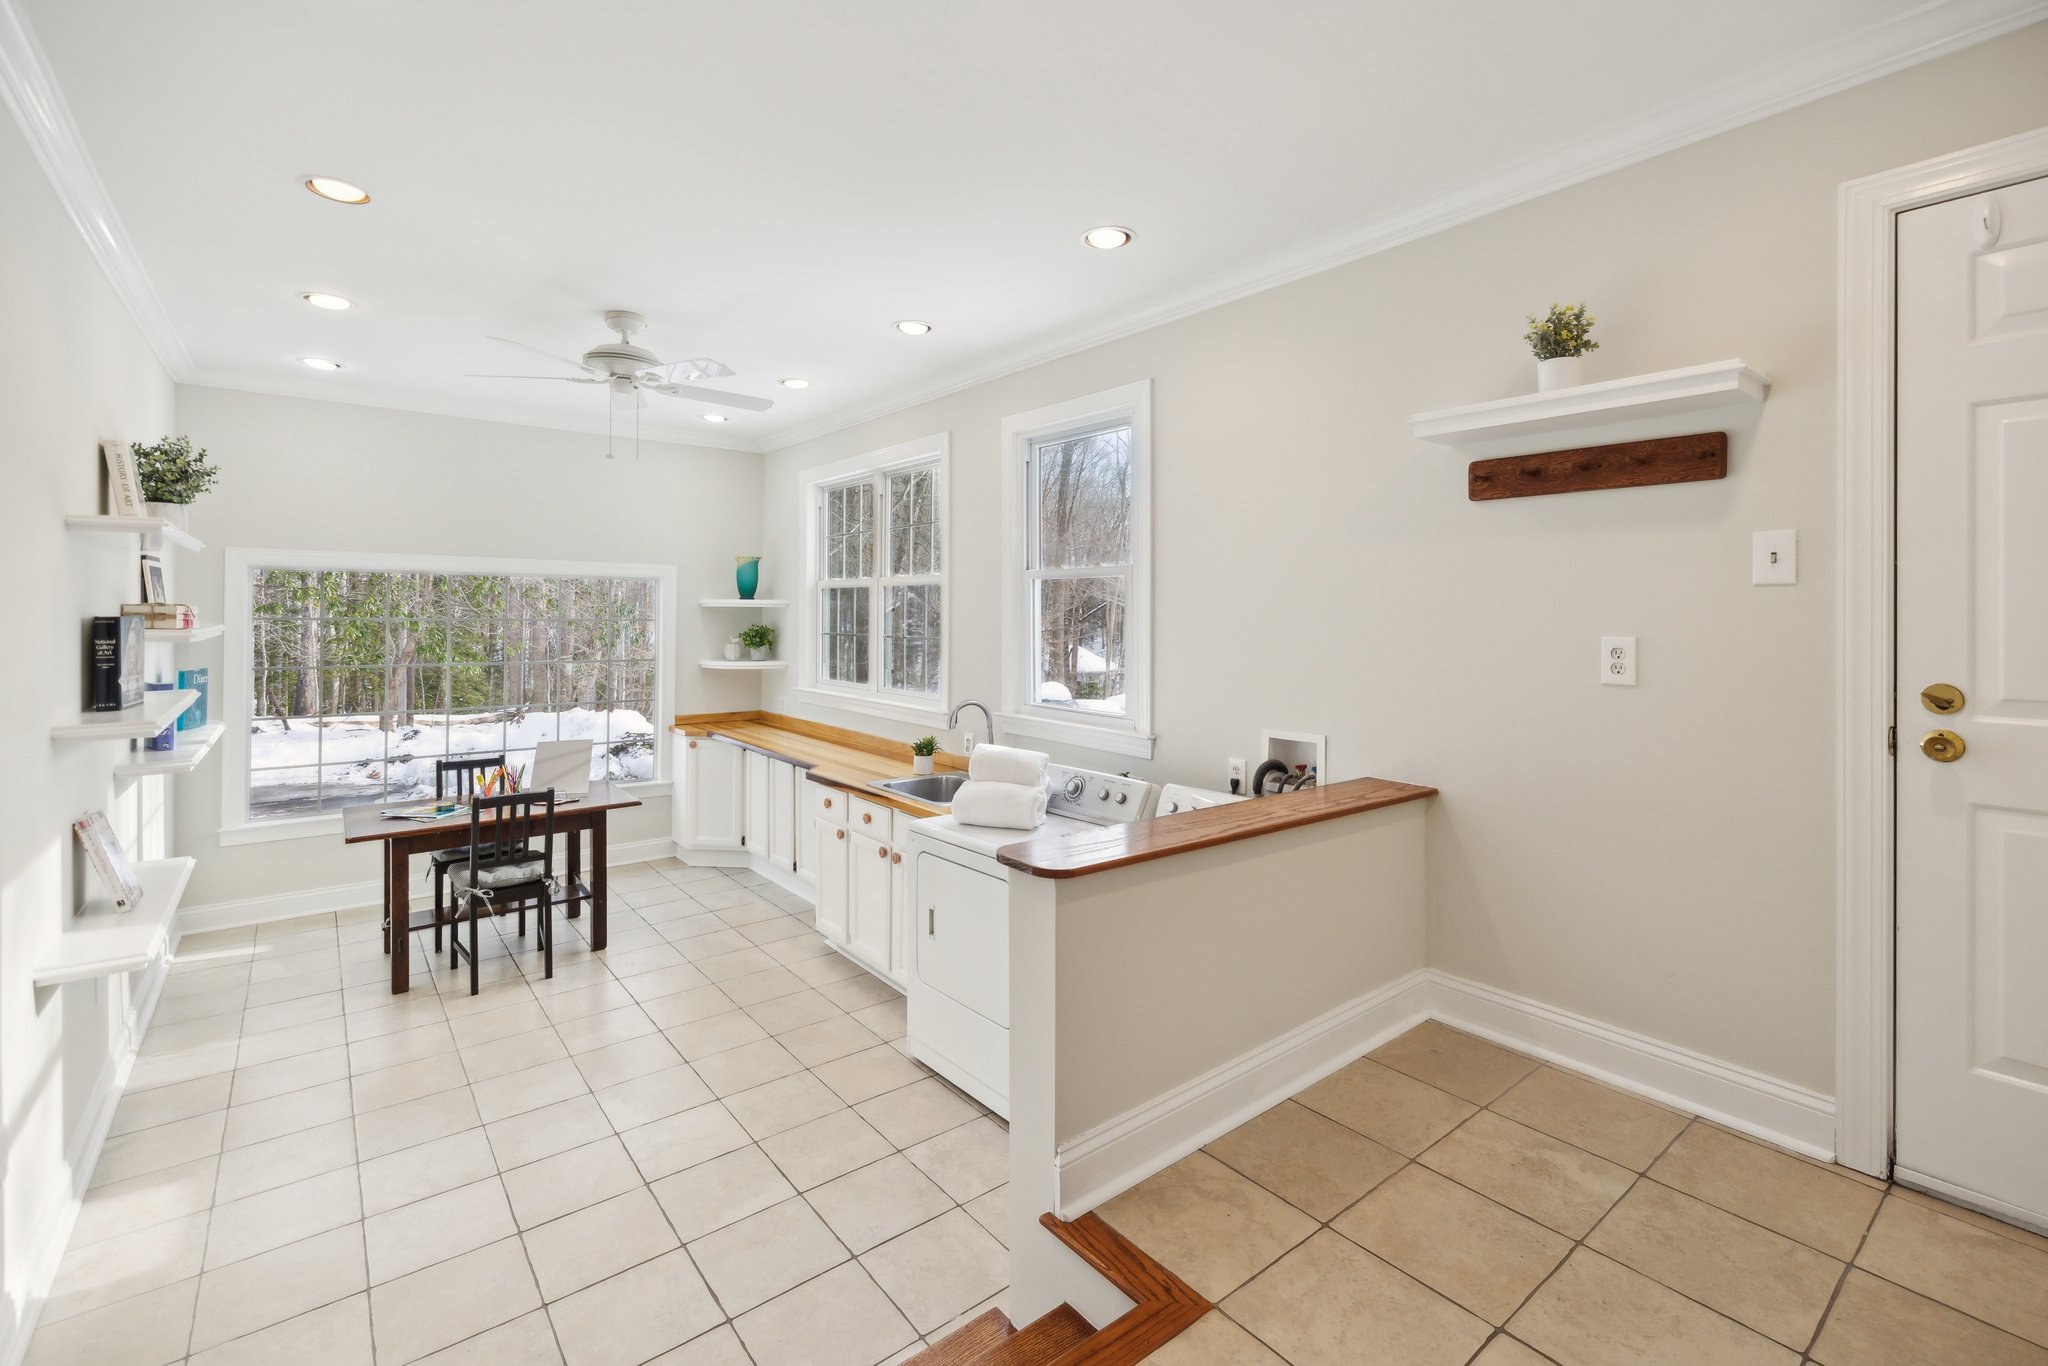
{"type": "Point", "coordinates": [448, 858]}
{"type": "Point", "coordinates": [497, 874]}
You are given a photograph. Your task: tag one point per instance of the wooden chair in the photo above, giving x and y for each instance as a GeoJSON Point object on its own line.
{"type": "Point", "coordinates": [457, 779]}
{"type": "Point", "coordinates": [499, 868]}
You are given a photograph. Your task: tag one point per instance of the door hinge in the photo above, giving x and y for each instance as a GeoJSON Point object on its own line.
{"type": "Point", "coordinates": [1891, 741]}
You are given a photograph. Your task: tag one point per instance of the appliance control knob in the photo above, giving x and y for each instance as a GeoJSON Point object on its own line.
{"type": "Point", "coordinates": [1103, 795]}
{"type": "Point", "coordinates": [1122, 797]}
{"type": "Point", "coordinates": [1173, 809]}
{"type": "Point", "coordinates": [1074, 788]}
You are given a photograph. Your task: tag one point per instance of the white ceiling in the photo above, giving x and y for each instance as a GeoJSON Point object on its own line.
{"type": "Point", "coordinates": [774, 182]}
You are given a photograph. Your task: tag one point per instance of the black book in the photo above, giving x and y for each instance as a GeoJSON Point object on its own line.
{"type": "Point", "coordinates": [113, 663]}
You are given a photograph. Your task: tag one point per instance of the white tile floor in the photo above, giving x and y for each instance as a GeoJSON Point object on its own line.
{"type": "Point", "coordinates": [703, 1147]}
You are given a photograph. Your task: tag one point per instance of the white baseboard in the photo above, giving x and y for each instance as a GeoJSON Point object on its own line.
{"type": "Point", "coordinates": [1775, 1111]}
{"type": "Point", "coordinates": [44, 1249]}
{"type": "Point", "coordinates": [1117, 1155]}
{"type": "Point", "coordinates": [1969, 1199]}
{"type": "Point", "coordinates": [349, 896]}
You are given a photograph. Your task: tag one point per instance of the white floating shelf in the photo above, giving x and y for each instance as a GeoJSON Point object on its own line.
{"type": "Point", "coordinates": [743, 664]}
{"type": "Point", "coordinates": [157, 710]}
{"type": "Point", "coordinates": [1669, 394]}
{"type": "Point", "coordinates": [744, 602]}
{"type": "Point", "coordinates": [193, 747]}
{"type": "Point", "coordinates": [101, 941]}
{"type": "Point", "coordinates": [148, 526]}
{"type": "Point", "coordinates": [185, 636]}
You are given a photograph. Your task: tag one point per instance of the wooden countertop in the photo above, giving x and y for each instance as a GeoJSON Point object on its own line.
{"type": "Point", "coordinates": [845, 759]}
{"type": "Point", "coordinates": [1119, 846]}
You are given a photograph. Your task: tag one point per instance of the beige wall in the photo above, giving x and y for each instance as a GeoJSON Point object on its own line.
{"type": "Point", "coordinates": [1658, 858]}
{"type": "Point", "coordinates": [74, 371]}
{"type": "Point", "coordinates": [299, 474]}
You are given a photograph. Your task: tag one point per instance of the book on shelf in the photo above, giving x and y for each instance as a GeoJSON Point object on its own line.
{"type": "Point", "coordinates": [160, 616]}
{"type": "Point", "coordinates": [109, 862]}
{"type": "Point", "coordinates": [124, 486]}
{"type": "Point", "coordinates": [166, 739]}
{"type": "Point", "coordinates": [194, 716]}
{"type": "Point", "coordinates": [113, 663]}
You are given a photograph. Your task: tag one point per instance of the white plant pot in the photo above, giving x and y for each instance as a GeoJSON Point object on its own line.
{"type": "Point", "coordinates": [920, 763]}
{"type": "Point", "coordinates": [177, 514]}
{"type": "Point", "coordinates": [1560, 372]}
{"type": "Point", "coordinates": [732, 649]}
{"type": "Point", "coordinates": [764, 652]}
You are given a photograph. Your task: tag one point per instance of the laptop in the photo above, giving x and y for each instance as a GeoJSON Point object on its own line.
{"type": "Point", "coordinates": [563, 765]}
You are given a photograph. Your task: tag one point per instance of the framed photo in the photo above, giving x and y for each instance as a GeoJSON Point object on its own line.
{"type": "Point", "coordinates": [153, 589]}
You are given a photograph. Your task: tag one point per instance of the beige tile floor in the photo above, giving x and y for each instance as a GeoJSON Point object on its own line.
{"type": "Point", "coordinates": [703, 1147]}
{"type": "Point", "coordinates": [1445, 1201]}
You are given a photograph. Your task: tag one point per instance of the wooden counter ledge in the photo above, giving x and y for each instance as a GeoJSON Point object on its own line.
{"type": "Point", "coordinates": [1119, 846]}
{"type": "Point", "coordinates": [846, 759]}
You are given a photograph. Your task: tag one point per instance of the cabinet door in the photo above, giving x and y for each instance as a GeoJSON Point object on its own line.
{"type": "Point", "coordinates": [870, 927]}
{"type": "Point", "coordinates": [903, 891]}
{"type": "Point", "coordinates": [807, 827]}
{"type": "Point", "coordinates": [832, 888]}
{"type": "Point", "coordinates": [782, 815]}
{"type": "Point", "coordinates": [757, 804]}
{"type": "Point", "coordinates": [712, 787]}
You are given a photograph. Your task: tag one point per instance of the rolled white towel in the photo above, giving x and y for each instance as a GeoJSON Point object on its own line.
{"type": "Point", "coordinates": [1001, 764]}
{"type": "Point", "coordinates": [1007, 806]}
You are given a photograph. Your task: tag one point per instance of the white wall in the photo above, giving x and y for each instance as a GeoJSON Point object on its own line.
{"type": "Point", "coordinates": [298, 474]}
{"type": "Point", "coordinates": [74, 371]}
{"type": "Point", "coordinates": [1657, 858]}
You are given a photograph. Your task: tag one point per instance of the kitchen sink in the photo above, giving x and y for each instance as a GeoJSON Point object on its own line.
{"type": "Point", "coordinates": [935, 789]}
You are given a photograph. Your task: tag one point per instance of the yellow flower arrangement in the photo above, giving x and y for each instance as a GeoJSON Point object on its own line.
{"type": "Point", "coordinates": [1562, 332]}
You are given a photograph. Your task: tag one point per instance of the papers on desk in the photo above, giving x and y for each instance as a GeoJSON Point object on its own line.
{"type": "Point", "coordinates": [433, 811]}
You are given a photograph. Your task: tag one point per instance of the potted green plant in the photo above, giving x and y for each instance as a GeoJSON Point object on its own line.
{"type": "Point", "coordinates": [921, 752]}
{"type": "Point", "coordinates": [172, 473]}
{"type": "Point", "coordinates": [1560, 339]}
{"type": "Point", "coordinates": [759, 640]}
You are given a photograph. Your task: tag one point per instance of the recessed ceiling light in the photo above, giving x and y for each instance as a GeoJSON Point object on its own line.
{"type": "Point", "coordinates": [320, 362]}
{"type": "Point", "coordinates": [715, 417]}
{"type": "Point", "coordinates": [1108, 237]}
{"type": "Point", "coordinates": [340, 191]}
{"type": "Point", "coordinates": [319, 300]}
{"type": "Point", "coordinates": [911, 327]}
{"type": "Point", "coordinates": [794, 383]}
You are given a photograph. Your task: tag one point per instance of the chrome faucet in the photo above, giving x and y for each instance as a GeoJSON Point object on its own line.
{"type": "Point", "coordinates": [986, 717]}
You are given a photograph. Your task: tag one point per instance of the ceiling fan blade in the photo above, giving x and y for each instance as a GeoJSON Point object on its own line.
{"type": "Point", "coordinates": [725, 400]}
{"type": "Point", "coordinates": [548, 355]}
{"type": "Point", "coordinates": [688, 371]}
{"type": "Point", "coordinates": [565, 379]}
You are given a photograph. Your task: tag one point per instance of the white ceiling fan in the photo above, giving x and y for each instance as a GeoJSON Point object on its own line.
{"type": "Point", "coordinates": [631, 372]}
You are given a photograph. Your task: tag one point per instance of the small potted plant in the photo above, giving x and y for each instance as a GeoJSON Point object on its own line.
{"type": "Point", "coordinates": [172, 473]}
{"type": "Point", "coordinates": [759, 640]}
{"type": "Point", "coordinates": [1560, 340]}
{"type": "Point", "coordinates": [921, 752]}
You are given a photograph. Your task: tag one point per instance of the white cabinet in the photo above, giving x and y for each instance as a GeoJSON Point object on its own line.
{"type": "Point", "coordinates": [815, 805]}
{"type": "Point", "coordinates": [832, 879]}
{"type": "Point", "coordinates": [782, 817]}
{"type": "Point", "coordinates": [757, 803]}
{"type": "Point", "coordinates": [871, 929]}
{"type": "Point", "coordinates": [903, 913]}
{"type": "Point", "coordinates": [711, 813]}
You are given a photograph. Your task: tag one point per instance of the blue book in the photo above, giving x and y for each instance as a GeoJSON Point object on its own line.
{"type": "Point", "coordinates": [167, 738]}
{"type": "Point", "coordinates": [195, 715]}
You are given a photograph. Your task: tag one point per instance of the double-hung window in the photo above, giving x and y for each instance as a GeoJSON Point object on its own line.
{"type": "Point", "coordinates": [1077, 638]}
{"type": "Point", "coordinates": [878, 609]}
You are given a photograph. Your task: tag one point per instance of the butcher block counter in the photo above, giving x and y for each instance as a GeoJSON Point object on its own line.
{"type": "Point", "coordinates": [846, 759]}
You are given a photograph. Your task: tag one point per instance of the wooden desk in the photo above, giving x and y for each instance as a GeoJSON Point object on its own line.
{"type": "Point", "coordinates": [403, 839]}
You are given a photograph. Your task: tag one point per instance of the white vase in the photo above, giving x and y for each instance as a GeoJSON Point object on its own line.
{"type": "Point", "coordinates": [1560, 372]}
{"type": "Point", "coordinates": [920, 763]}
{"type": "Point", "coordinates": [177, 514]}
{"type": "Point", "coordinates": [760, 652]}
{"type": "Point", "coordinates": [732, 649]}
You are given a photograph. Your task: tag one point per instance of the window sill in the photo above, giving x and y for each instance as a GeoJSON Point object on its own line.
{"type": "Point", "coordinates": [329, 827]}
{"type": "Point", "coordinates": [1107, 739]}
{"type": "Point", "coordinates": [869, 705]}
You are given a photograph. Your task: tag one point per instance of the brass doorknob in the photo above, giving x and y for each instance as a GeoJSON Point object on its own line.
{"type": "Point", "coordinates": [895, 858]}
{"type": "Point", "coordinates": [883, 852]}
{"type": "Point", "coordinates": [840, 833]}
{"type": "Point", "coordinates": [1943, 746]}
{"type": "Point", "coordinates": [1943, 699]}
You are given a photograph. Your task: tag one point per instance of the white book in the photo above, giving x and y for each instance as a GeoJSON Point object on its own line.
{"type": "Point", "coordinates": [124, 485]}
{"type": "Point", "coordinates": [109, 861]}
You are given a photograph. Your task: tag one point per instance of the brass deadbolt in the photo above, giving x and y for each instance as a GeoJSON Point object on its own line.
{"type": "Point", "coordinates": [1943, 746]}
{"type": "Point", "coordinates": [1943, 699]}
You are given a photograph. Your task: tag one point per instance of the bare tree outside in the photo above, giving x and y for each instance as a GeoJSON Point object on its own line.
{"type": "Point", "coordinates": [880, 594]}
{"type": "Point", "coordinates": [1080, 569]}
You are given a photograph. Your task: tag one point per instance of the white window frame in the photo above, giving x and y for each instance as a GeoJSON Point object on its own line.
{"type": "Point", "coordinates": [876, 466]}
{"type": "Point", "coordinates": [231, 692]}
{"type": "Point", "coordinates": [1022, 714]}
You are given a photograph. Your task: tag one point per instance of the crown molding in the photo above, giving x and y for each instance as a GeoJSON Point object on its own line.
{"type": "Point", "coordinates": [1932, 30]}
{"type": "Point", "coordinates": [29, 88]}
{"type": "Point", "coordinates": [473, 412]}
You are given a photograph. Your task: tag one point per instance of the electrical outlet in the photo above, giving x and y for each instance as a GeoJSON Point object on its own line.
{"type": "Point", "coordinates": [1236, 783]}
{"type": "Point", "coordinates": [1618, 661]}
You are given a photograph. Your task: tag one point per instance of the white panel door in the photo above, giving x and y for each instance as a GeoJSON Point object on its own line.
{"type": "Point", "coordinates": [758, 790]}
{"type": "Point", "coordinates": [833, 892]}
{"type": "Point", "coordinates": [782, 814]}
{"type": "Point", "coordinates": [713, 786]}
{"type": "Point", "coordinates": [871, 919]}
{"type": "Point", "coordinates": [1972, 1029]}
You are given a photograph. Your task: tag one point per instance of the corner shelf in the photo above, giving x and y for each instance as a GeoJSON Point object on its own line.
{"type": "Point", "coordinates": [743, 664]}
{"type": "Point", "coordinates": [185, 636]}
{"type": "Point", "coordinates": [193, 747]}
{"type": "Point", "coordinates": [743, 602]}
{"type": "Point", "coordinates": [156, 710]}
{"type": "Point", "coordinates": [1669, 394]}
{"type": "Point", "coordinates": [147, 526]}
{"type": "Point", "coordinates": [101, 941]}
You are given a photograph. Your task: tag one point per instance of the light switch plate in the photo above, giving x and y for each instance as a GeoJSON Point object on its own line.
{"type": "Point", "coordinates": [1774, 557]}
{"type": "Point", "coordinates": [1618, 661]}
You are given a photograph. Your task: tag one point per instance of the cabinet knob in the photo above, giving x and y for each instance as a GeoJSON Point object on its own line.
{"type": "Point", "coordinates": [693, 744]}
{"type": "Point", "coordinates": [867, 818]}
{"type": "Point", "coordinates": [895, 858]}
{"type": "Point", "coordinates": [883, 852]}
{"type": "Point", "coordinates": [840, 833]}
{"type": "Point", "coordinates": [828, 803]}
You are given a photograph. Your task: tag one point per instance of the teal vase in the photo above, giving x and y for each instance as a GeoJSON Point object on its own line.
{"type": "Point", "coordinates": [749, 575]}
